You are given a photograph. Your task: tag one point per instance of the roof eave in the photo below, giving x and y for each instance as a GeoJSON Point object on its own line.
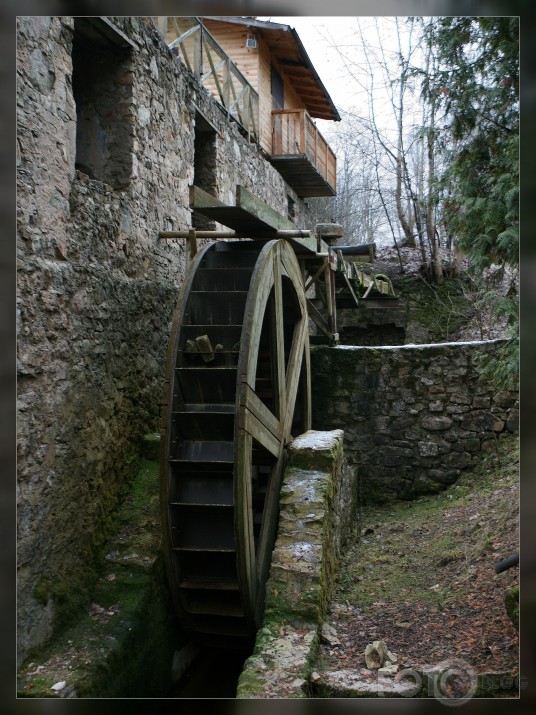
{"type": "Point", "coordinates": [264, 25]}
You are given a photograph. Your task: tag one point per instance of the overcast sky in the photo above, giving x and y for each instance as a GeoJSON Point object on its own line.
{"type": "Point", "coordinates": [334, 47]}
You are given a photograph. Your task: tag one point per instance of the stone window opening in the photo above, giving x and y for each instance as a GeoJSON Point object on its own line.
{"type": "Point", "coordinates": [205, 176]}
{"type": "Point", "coordinates": [102, 89]}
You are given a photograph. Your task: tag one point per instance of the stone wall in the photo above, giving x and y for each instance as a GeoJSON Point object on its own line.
{"type": "Point", "coordinates": [414, 416]}
{"type": "Point", "coordinates": [318, 515]}
{"type": "Point", "coordinates": [96, 286]}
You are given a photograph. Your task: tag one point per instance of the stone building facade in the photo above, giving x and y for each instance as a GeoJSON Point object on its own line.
{"type": "Point", "coordinates": [112, 131]}
{"type": "Point", "coordinates": [414, 416]}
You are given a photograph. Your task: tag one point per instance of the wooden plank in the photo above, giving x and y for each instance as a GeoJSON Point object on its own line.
{"type": "Point", "coordinates": [349, 286]}
{"type": "Point", "coordinates": [234, 217]}
{"type": "Point", "coordinates": [200, 199]}
{"type": "Point", "coordinates": [257, 207]}
{"type": "Point", "coordinates": [278, 336]}
{"type": "Point", "coordinates": [302, 176]}
{"type": "Point", "coordinates": [294, 372]}
{"type": "Point", "coordinates": [251, 219]}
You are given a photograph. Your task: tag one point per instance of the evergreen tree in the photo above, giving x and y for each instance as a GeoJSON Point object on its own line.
{"type": "Point", "coordinates": [477, 85]}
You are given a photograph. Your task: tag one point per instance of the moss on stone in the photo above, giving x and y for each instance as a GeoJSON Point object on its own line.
{"type": "Point", "coordinates": [511, 602]}
{"type": "Point", "coordinates": [440, 310]}
{"type": "Point", "coordinates": [150, 446]}
{"type": "Point", "coordinates": [124, 646]}
{"type": "Point", "coordinates": [42, 591]}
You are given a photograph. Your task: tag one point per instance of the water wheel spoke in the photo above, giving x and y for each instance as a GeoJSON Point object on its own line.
{"type": "Point", "coordinates": [260, 422]}
{"type": "Point", "coordinates": [257, 429]}
{"type": "Point", "coordinates": [294, 371]}
{"type": "Point", "coordinates": [278, 354]}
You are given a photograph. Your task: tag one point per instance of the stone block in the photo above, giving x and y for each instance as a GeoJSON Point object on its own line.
{"type": "Point", "coordinates": [444, 476]}
{"type": "Point", "coordinates": [428, 449]}
{"type": "Point", "coordinates": [457, 460]}
{"type": "Point", "coordinates": [505, 399]}
{"type": "Point", "coordinates": [436, 423]}
{"type": "Point", "coordinates": [460, 398]}
{"type": "Point", "coordinates": [512, 422]}
{"type": "Point", "coordinates": [478, 421]}
{"type": "Point", "coordinates": [481, 402]}
{"type": "Point", "coordinates": [436, 406]}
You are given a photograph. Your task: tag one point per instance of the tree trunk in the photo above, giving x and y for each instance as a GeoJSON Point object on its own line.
{"type": "Point", "coordinates": [430, 223]}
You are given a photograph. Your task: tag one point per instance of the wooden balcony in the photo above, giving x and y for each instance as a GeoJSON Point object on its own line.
{"type": "Point", "coordinates": [302, 155]}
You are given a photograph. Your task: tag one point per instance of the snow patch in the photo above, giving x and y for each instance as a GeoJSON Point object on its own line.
{"type": "Point", "coordinates": [418, 345]}
{"type": "Point", "coordinates": [314, 439]}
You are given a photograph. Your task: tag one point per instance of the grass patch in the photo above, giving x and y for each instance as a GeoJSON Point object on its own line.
{"type": "Point", "coordinates": [407, 548]}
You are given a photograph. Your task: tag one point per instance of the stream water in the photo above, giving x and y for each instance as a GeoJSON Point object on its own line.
{"type": "Point", "coordinates": [213, 674]}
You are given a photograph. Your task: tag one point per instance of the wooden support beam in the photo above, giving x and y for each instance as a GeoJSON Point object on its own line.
{"type": "Point", "coordinates": [330, 299]}
{"type": "Point", "coordinates": [298, 233]}
{"type": "Point", "coordinates": [316, 275]}
{"type": "Point", "coordinates": [256, 207]}
{"type": "Point", "coordinates": [349, 286]}
{"type": "Point", "coordinates": [192, 242]}
{"type": "Point", "coordinates": [200, 199]}
{"type": "Point", "coordinates": [318, 319]}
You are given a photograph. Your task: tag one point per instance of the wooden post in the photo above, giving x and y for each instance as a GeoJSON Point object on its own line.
{"type": "Point", "coordinates": [162, 25]}
{"type": "Point", "coordinates": [192, 241]}
{"type": "Point", "coordinates": [201, 40]}
{"type": "Point", "coordinates": [328, 278]}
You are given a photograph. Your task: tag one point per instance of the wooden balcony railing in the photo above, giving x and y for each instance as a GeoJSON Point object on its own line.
{"type": "Point", "coordinates": [295, 134]}
{"type": "Point", "coordinates": [200, 52]}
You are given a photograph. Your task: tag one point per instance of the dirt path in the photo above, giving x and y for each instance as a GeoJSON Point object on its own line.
{"type": "Point", "coordinates": [422, 578]}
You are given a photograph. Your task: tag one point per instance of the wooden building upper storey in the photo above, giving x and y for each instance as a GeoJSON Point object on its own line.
{"type": "Point", "coordinates": [261, 74]}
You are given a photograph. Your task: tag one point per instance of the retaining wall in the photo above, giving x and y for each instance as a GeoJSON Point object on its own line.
{"type": "Point", "coordinates": [318, 514]}
{"type": "Point", "coordinates": [414, 416]}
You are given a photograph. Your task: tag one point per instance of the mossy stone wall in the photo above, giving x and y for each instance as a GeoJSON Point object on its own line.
{"type": "Point", "coordinates": [414, 416]}
{"type": "Point", "coordinates": [318, 513]}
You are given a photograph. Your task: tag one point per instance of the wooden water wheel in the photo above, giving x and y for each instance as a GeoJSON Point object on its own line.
{"type": "Point", "coordinates": [237, 391]}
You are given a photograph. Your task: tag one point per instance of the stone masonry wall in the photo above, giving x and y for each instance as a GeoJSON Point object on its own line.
{"type": "Point", "coordinates": [414, 416]}
{"type": "Point", "coordinates": [96, 286]}
{"type": "Point", "coordinates": [318, 515]}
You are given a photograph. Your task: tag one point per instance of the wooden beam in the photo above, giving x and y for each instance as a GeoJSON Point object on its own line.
{"type": "Point", "coordinates": [318, 319]}
{"type": "Point", "coordinates": [257, 207]}
{"type": "Point", "coordinates": [296, 234]}
{"type": "Point", "coordinates": [200, 199]}
{"type": "Point", "coordinates": [252, 402]}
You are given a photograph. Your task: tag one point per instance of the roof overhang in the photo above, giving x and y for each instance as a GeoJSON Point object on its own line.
{"type": "Point", "coordinates": [288, 51]}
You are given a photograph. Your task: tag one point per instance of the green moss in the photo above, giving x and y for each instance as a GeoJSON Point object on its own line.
{"type": "Point", "coordinates": [125, 649]}
{"type": "Point", "coordinates": [441, 310]}
{"type": "Point", "coordinates": [150, 446]}
{"type": "Point", "coordinates": [394, 569]}
{"type": "Point", "coordinates": [250, 683]}
{"type": "Point", "coordinates": [42, 591]}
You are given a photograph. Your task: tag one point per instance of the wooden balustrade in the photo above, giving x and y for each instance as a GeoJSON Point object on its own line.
{"type": "Point", "coordinates": [203, 56]}
{"type": "Point", "coordinates": [294, 133]}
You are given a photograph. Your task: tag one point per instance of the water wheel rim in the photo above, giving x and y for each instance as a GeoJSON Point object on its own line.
{"type": "Point", "coordinates": [277, 262]}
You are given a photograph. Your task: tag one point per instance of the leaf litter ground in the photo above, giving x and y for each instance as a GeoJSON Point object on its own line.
{"type": "Point", "coordinates": [422, 576]}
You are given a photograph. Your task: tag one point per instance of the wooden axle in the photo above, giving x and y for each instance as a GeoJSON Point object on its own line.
{"type": "Point", "coordinates": [288, 233]}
